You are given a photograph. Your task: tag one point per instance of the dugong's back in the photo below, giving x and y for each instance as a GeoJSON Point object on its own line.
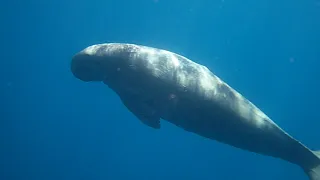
{"type": "Point", "coordinates": [194, 81]}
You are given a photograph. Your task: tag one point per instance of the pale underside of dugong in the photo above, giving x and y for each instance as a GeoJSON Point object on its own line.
{"type": "Point", "coordinates": [157, 84]}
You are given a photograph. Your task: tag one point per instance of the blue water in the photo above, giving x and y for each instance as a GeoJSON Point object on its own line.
{"type": "Point", "coordinates": [54, 126]}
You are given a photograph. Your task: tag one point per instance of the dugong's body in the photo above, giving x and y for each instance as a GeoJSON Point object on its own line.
{"type": "Point", "coordinates": [156, 84]}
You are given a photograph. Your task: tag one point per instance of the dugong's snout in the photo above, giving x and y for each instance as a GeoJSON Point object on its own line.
{"type": "Point", "coordinates": [88, 67]}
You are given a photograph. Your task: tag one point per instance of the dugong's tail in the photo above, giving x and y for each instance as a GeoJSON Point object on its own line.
{"type": "Point", "coordinates": [314, 172]}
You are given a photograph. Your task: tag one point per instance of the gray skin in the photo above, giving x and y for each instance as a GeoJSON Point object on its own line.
{"type": "Point", "coordinates": [157, 84]}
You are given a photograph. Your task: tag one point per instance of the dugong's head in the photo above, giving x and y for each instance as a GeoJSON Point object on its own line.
{"type": "Point", "coordinates": [101, 61]}
{"type": "Point", "coordinates": [123, 63]}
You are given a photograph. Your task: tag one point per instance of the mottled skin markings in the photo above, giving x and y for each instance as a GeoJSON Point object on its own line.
{"type": "Point", "coordinates": [157, 84]}
{"type": "Point", "coordinates": [184, 73]}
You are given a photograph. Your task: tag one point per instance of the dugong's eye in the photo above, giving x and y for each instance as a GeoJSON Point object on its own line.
{"type": "Point", "coordinates": [95, 65]}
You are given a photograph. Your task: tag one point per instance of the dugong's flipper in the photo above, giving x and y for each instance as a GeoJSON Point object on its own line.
{"type": "Point", "coordinates": [142, 111]}
{"type": "Point", "coordinates": [314, 172]}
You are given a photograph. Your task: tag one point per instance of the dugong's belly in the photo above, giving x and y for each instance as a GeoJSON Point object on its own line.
{"type": "Point", "coordinates": [217, 120]}
{"type": "Point", "coordinates": [210, 120]}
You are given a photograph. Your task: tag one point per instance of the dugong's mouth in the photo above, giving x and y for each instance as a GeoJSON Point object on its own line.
{"type": "Point", "coordinates": [87, 67]}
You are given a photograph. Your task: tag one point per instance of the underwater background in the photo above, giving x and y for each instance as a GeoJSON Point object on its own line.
{"type": "Point", "coordinates": [54, 126]}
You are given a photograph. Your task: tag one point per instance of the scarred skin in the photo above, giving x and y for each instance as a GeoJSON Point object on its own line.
{"type": "Point", "coordinates": [157, 84]}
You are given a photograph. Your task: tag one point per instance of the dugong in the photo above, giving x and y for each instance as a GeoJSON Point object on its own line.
{"type": "Point", "coordinates": [158, 84]}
